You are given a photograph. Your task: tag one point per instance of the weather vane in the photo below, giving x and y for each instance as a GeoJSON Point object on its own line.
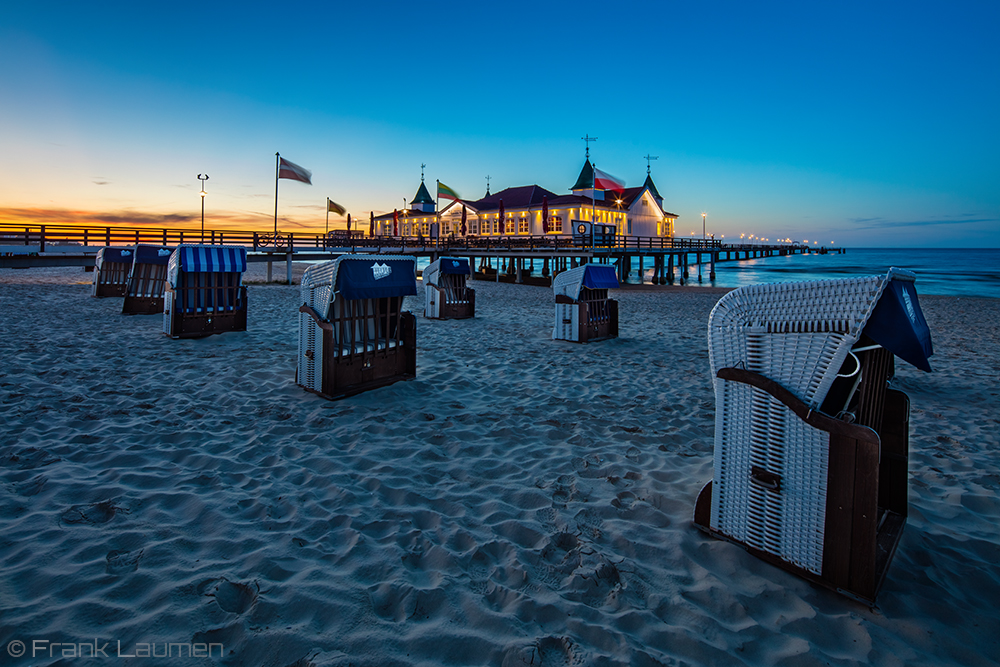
{"type": "Point", "coordinates": [588, 139]}
{"type": "Point", "coordinates": [649, 158]}
{"type": "Point", "coordinates": [422, 172]}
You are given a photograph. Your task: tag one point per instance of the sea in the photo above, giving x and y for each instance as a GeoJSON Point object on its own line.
{"type": "Point", "coordinates": [944, 271]}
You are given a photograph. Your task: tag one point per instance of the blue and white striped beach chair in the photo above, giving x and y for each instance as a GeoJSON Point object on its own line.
{"type": "Point", "coordinates": [205, 293]}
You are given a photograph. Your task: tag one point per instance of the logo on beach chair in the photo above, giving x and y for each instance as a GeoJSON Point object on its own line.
{"type": "Point", "coordinates": [455, 263]}
{"type": "Point", "coordinates": [162, 252]}
{"type": "Point", "coordinates": [380, 271]}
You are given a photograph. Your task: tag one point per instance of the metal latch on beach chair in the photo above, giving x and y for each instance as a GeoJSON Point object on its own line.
{"type": "Point", "coordinates": [765, 479]}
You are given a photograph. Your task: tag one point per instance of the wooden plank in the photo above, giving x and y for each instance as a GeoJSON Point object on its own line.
{"type": "Point", "coordinates": [839, 511]}
{"type": "Point", "coordinates": [864, 524]}
{"type": "Point", "coordinates": [894, 462]}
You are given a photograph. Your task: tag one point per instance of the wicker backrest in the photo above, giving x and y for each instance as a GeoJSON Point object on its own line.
{"type": "Point", "coordinates": [798, 334]}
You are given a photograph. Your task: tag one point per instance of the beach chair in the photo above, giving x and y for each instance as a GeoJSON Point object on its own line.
{"type": "Point", "coordinates": [111, 269]}
{"type": "Point", "coordinates": [583, 310]}
{"type": "Point", "coordinates": [146, 281]}
{"type": "Point", "coordinates": [353, 332]}
{"type": "Point", "coordinates": [811, 443]}
{"type": "Point", "coordinates": [204, 294]}
{"type": "Point", "coordinates": [445, 291]}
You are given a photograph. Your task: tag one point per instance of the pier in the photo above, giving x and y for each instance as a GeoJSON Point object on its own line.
{"type": "Point", "coordinates": [506, 258]}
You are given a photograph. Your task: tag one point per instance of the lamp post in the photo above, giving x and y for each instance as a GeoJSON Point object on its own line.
{"type": "Point", "coordinates": [203, 178]}
{"type": "Point", "coordinates": [703, 237]}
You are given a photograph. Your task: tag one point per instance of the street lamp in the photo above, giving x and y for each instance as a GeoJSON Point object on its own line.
{"type": "Point", "coordinates": [703, 226]}
{"type": "Point", "coordinates": [203, 178]}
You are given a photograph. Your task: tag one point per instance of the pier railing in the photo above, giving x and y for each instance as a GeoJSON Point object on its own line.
{"type": "Point", "coordinates": [70, 238]}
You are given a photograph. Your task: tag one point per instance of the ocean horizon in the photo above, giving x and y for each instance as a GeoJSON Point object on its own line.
{"type": "Point", "coordinates": [969, 272]}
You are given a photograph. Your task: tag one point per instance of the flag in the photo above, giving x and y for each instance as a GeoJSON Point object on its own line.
{"type": "Point", "coordinates": [465, 215]}
{"type": "Point", "coordinates": [395, 222]}
{"type": "Point", "coordinates": [501, 216]}
{"type": "Point", "coordinates": [334, 207]}
{"type": "Point", "coordinates": [545, 213]}
{"type": "Point", "coordinates": [371, 225]}
{"type": "Point", "coordinates": [444, 192]}
{"type": "Point", "coordinates": [293, 171]}
{"type": "Point", "coordinates": [605, 181]}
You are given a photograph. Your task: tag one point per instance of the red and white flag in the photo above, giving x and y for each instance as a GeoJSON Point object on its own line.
{"type": "Point", "coordinates": [605, 181]}
{"type": "Point", "coordinates": [293, 171]}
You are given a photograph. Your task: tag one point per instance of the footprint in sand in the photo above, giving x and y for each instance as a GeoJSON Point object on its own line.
{"type": "Point", "coordinates": [625, 500]}
{"type": "Point", "coordinates": [235, 597]}
{"type": "Point", "coordinates": [123, 562]}
{"type": "Point", "coordinates": [94, 514]}
{"type": "Point", "coordinates": [556, 651]}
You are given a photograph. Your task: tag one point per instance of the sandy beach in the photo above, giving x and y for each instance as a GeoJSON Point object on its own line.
{"type": "Point", "coordinates": [521, 502]}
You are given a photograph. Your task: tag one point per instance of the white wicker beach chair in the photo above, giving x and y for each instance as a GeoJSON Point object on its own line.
{"type": "Point", "coordinates": [810, 444]}
{"type": "Point", "coordinates": [204, 294]}
{"type": "Point", "coordinates": [353, 332]}
{"type": "Point", "coordinates": [111, 271]}
{"type": "Point", "coordinates": [147, 280]}
{"type": "Point", "coordinates": [446, 294]}
{"type": "Point", "coordinates": [584, 312]}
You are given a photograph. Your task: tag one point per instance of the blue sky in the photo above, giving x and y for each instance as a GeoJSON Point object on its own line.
{"type": "Point", "coordinates": [864, 124]}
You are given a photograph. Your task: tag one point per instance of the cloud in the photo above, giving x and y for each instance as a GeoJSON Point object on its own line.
{"type": "Point", "coordinates": [882, 223]}
{"type": "Point", "coordinates": [100, 181]}
{"type": "Point", "coordinates": [131, 218]}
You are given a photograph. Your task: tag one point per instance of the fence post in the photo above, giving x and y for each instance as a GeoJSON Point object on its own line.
{"type": "Point", "coordinates": [255, 242]}
{"type": "Point", "coordinates": [84, 237]}
{"type": "Point", "coordinates": [164, 237]}
{"type": "Point", "coordinates": [41, 240]}
{"type": "Point", "coordinates": [107, 236]}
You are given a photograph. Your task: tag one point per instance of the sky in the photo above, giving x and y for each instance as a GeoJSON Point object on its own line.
{"type": "Point", "coordinates": [870, 124]}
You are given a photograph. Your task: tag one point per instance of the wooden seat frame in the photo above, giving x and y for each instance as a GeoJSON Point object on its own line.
{"type": "Point", "coordinates": [455, 301]}
{"type": "Point", "coordinates": [222, 299]}
{"type": "Point", "coordinates": [146, 286]}
{"type": "Point", "coordinates": [366, 343]}
{"type": "Point", "coordinates": [598, 315]}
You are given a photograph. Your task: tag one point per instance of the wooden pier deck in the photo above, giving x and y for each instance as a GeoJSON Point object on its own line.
{"type": "Point", "coordinates": [510, 258]}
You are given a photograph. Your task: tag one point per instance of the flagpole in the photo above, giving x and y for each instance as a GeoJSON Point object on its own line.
{"type": "Point", "coordinates": [327, 230]}
{"type": "Point", "coordinates": [437, 206]}
{"type": "Point", "coordinates": [276, 163]}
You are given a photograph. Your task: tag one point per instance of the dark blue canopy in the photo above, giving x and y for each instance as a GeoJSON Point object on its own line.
{"type": "Point", "coordinates": [456, 266]}
{"type": "Point", "coordinates": [375, 278]}
{"type": "Point", "coordinates": [117, 255]}
{"type": "Point", "coordinates": [898, 324]}
{"type": "Point", "coordinates": [600, 276]}
{"type": "Point", "coordinates": [151, 254]}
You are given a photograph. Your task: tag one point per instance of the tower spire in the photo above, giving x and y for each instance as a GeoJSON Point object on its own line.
{"type": "Point", "coordinates": [422, 165]}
